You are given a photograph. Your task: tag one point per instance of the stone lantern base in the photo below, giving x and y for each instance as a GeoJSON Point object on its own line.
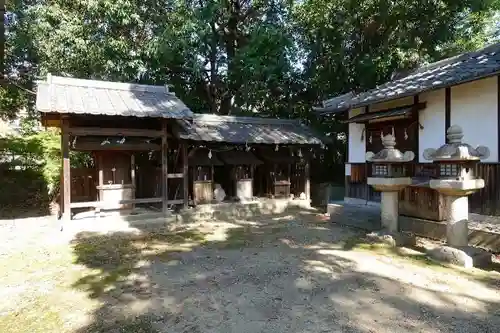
{"type": "Point", "coordinates": [457, 251]}
{"type": "Point", "coordinates": [389, 188]}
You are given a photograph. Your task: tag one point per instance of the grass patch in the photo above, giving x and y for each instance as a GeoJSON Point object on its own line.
{"type": "Point", "coordinates": [37, 315]}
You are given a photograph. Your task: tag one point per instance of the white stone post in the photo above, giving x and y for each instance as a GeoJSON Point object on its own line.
{"type": "Point", "coordinates": [457, 215]}
{"type": "Point", "coordinates": [390, 210]}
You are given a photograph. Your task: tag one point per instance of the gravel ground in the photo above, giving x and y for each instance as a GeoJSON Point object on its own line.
{"type": "Point", "coordinates": [284, 275]}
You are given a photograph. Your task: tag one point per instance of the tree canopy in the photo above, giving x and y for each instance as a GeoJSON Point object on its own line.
{"type": "Point", "coordinates": [275, 57]}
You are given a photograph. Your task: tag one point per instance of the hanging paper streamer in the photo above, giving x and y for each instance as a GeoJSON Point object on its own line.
{"type": "Point", "coordinates": [406, 135]}
{"type": "Point", "coordinates": [370, 139]}
{"type": "Point", "coordinates": [210, 154]}
{"type": "Point", "coordinates": [300, 153]}
{"type": "Point", "coordinates": [276, 148]}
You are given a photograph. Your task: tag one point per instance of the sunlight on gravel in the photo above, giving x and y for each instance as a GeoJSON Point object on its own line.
{"type": "Point", "coordinates": [285, 274]}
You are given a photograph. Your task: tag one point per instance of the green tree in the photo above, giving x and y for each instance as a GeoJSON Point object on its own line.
{"type": "Point", "coordinates": [355, 45]}
{"type": "Point", "coordinates": [234, 56]}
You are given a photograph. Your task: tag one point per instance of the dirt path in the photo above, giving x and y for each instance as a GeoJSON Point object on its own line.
{"type": "Point", "coordinates": [284, 275]}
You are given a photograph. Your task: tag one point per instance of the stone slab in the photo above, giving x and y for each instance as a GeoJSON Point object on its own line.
{"type": "Point", "coordinates": [394, 239]}
{"type": "Point", "coordinates": [364, 217]}
{"type": "Point", "coordinates": [149, 219]}
{"type": "Point", "coordinates": [478, 236]}
{"type": "Point", "coordinates": [484, 231]}
{"type": "Point", "coordinates": [466, 257]}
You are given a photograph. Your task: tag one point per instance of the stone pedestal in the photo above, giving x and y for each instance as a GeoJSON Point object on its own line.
{"type": "Point", "coordinates": [111, 195]}
{"type": "Point", "coordinates": [457, 215]}
{"type": "Point", "coordinates": [389, 188]}
{"type": "Point", "coordinates": [244, 189]}
{"type": "Point", "coordinates": [390, 211]}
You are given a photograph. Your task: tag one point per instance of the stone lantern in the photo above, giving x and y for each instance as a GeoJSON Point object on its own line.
{"type": "Point", "coordinates": [456, 163]}
{"type": "Point", "coordinates": [389, 176]}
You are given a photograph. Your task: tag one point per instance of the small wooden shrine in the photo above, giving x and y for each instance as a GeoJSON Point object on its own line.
{"type": "Point", "coordinates": [113, 121]}
{"type": "Point", "coordinates": [285, 165]}
{"type": "Point", "coordinates": [150, 149]}
{"type": "Point", "coordinates": [262, 157]}
{"type": "Point", "coordinates": [201, 163]}
{"type": "Point", "coordinates": [242, 168]}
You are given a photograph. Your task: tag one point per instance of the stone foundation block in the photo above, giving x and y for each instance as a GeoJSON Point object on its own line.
{"type": "Point", "coordinates": [466, 257]}
{"type": "Point", "coordinates": [395, 239]}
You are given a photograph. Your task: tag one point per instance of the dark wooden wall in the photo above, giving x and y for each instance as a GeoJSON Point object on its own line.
{"type": "Point", "coordinates": [403, 143]}
{"type": "Point", "coordinates": [487, 200]}
{"type": "Point", "coordinates": [83, 184]}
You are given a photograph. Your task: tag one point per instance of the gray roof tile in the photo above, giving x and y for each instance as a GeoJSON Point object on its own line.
{"type": "Point", "coordinates": [445, 73]}
{"type": "Point", "coordinates": [90, 97]}
{"type": "Point", "coordinates": [252, 130]}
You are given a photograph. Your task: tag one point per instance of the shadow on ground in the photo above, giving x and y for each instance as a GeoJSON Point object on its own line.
{"type": "Point", "coordinates": [289, 274]}
{"type": "Point", "coordinates": [489, 275]}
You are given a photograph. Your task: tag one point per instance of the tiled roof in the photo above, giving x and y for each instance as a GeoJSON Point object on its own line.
{"type": "Point", "coordinates": [340, 103]}
{"type": "Point", "coordinates": [90, 97]}
{"type": "Point", "coordinates": [252, 130]}
{"type": "Point", "coordinates": [445, 73]}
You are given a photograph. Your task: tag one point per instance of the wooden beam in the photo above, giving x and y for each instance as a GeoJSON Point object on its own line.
{"type": "Point", "coordinates": [185, 171]}
{"type": "Point", "coordinates": [100, 165]}
{"type": "Point", "coordinates": [164, 167]}
{"type": "Point", "coordinates": [66, 171]}
{"type": "Point", "coordinates": [89, 146]}
{"type": "Point", "coordinates": [83, 131]}
{"type": "Point", "coordinates": [175, 202]}
{"type": "Point", "coordinates": [417, 129]}
{"type": "Point", "coordinates": [447, 111]}
{"type": "Point", "coordinates": [103, 204]}
{"type": "Point", "coordinates": [175, 175]}
{"type": "Point", "coordinates": [498, 118]}
{"type": "Point", "coordinates": [132, 175]}
{"type": "Point", "coordinates": [307, 183]}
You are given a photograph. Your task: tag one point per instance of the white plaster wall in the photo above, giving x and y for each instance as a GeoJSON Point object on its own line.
{"type": "Point", "coordinates": [357, 147]}
{"type": "Point", "coordinates": [432, 118]}
{"type": "Point", "coordinates": [347, 169]}
{"type": "Point", "coordinates": [474, 108]}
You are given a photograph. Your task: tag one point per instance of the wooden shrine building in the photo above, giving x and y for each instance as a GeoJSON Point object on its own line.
{"type": "Point", "coordinates": [245, 145]}
{"type": "Point", "coordinates": [148, 148]}
{"type": "Point", "coordinates": [113, 121]}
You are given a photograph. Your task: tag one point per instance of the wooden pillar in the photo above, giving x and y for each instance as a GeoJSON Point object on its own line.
{"type": "Point", "coordinates": [164, 167]}
{"type": "Point", "coordinates": [66, 172]}
{"type": "Point", "coordinates": [185, 171]}
{"type": "Point", "coordinates": [307, 183]}
{"type": "Point", "coordinates": [447, 111]}
{"type": "Point", "coordinates": [100, 166]}
{"type": "Point", "coordinates": [132, 177]}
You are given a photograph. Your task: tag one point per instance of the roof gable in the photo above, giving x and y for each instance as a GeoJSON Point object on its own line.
{"type": "Point", "coordinates": [91, 97]}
